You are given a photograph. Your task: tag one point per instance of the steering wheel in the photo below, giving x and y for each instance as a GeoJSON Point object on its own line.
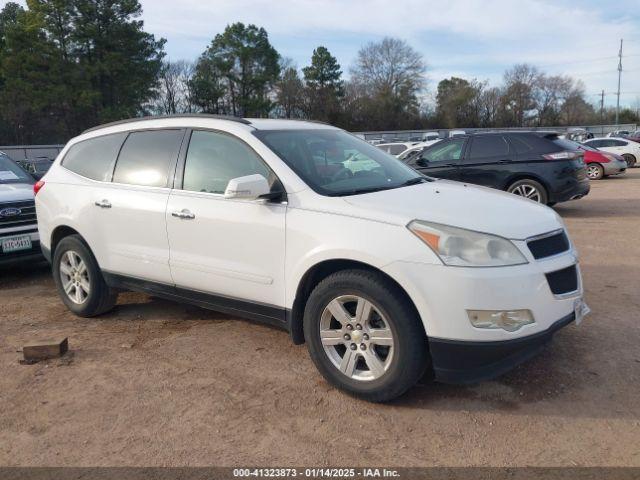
{"type": "Point", "coordinates": [342, 174]}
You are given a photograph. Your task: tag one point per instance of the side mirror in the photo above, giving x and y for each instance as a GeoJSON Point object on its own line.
{"type": "Point", "coordinates": [423, 162]}
{"type": "Point", "coordinates": [250, 187]}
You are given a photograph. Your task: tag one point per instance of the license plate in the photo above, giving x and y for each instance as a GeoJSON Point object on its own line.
{"type": "Point", "coordinates": [580, 309]}
{"type": "Point", "coordinates": [16, 244]}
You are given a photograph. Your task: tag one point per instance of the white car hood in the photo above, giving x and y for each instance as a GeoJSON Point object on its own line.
{"type": "Point", "coordinates": [15, 192]}
{"type": "Point", "coordinates": [460, 205]}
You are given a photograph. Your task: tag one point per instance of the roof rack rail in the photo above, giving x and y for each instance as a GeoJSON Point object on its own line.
{"type": "Point", "coordinates": [159, 117]}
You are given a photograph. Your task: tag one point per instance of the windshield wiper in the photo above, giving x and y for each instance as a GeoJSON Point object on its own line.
{"type": "Point", "coordinates": [414, 181]}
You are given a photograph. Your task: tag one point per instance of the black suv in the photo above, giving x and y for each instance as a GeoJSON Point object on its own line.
{"type": "Point", "coordinates": [537, 165]}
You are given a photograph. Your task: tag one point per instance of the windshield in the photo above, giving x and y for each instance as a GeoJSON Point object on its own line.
{"type": "Point", "coordinates": [335, 163]}
{"type": "Point", "coordinates": [12, 173]}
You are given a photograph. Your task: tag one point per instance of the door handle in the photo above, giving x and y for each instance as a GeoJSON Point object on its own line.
{"type": "Point", "coordinates": [504, 161]}
{"type": "Point", "coordinates": [103, 204]}
{"type": "Point", "coordinates": [183, 214]}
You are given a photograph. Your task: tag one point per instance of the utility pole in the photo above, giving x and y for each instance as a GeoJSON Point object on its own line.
{"type": "Point", "coordinates": [619, 77]}
{"type": "Point", "coordinates": [602, 108]}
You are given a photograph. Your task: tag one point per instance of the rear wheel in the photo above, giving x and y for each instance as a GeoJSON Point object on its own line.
{"type": "Point", "coordinates": [530, 189]}
{"type": "Point", "coordinates": [79, 280]}
{"type": "Point", "coordinates": [364, 335]}
{"type": "Point", "coordinates": [630, 159]}
{"type": "Point", "coordinates": [595, 171]}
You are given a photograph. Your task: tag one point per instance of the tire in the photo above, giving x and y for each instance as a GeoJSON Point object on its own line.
{"type": "Point", "coordinates": [530, 189]}
{"type": "Point", "coordinates": [595, 171]}
{"type": "Point", "coordinates": [395, 353]}
{"type": "Point", "coordinates": [75, 268]}
{"type": "Point", "coordinates": [630, 159]}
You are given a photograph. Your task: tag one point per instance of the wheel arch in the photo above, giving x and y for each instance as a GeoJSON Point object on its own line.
{"type": "Point", "coordinates": [314, 275]}
{"type": "Point", "coordinates": [60, 232]}
{"type": "Point", "coordinates": [526, 176]}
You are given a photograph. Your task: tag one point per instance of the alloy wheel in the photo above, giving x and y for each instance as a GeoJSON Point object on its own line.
{"type": "Point", "coordinates": [593, 172]}
{"type": "Point", "coordinates": [527, 191]}
{"type": "Point", "coordinates": [74, 277]}
{"type": "Point", "coordinates": [357, 337]}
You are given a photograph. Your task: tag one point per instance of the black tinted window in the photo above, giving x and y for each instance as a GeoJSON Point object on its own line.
{"type": "Point", "coordinates": [94, 158]}
{"type": "Point", "coordinates": [490, 146]}
{"type": "Point", "coordinates": [617, 143]}
{"type": "Point", "coordinates": [215, 158]}
{"type": "Point", "coordinates": [145, 157]}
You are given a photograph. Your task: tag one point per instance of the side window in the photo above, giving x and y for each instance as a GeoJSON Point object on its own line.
{"type": "Point", "coordinates": [521, 144]}
{"type": "Point", "coordinates": [489, 146]}
{"type": "Point", "coordinates": [94, 158]}
{"type": "Point", "coordinates": [444, 152]}
{"type": "Point", "coordinates": [215, 158]}
{"type": "Point", "coordinates": [618, 143]}
{"type": "Point", "coordinates": [146, 157]}
{"type": "Point", "coordinates": [396, 149]}
{"type": "Point", "coordinates": [594, 143]}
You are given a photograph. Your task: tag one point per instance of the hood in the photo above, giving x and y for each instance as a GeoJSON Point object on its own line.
{"type": "Point", "coordinates": [461, 205]}
{"type": "Point", "coordinates": [15, 192]}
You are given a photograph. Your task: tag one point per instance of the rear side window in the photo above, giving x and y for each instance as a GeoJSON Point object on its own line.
{"type": "Point", "coordinates": [146, 157]}
{"type": "Point", "coordinates": [533, 144]}
{"type": "Point", "coordinates": [215, 158]}
{"type": "Point", "coordinates": [94, 158]}
{"type": "Point", "coordinates": [490, 146]}
{"type": "Point", "coordinates": [617, 143]}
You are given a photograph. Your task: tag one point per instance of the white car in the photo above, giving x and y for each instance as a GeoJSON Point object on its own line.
{"type": "Point", "coordinates": [384, 273]}
{"type": "Point", "coordinates": [456, 133]}
{"type": "Point", "coordinates": [396, 148]}
{"type": "Point", "coordinates": [628, 149]}
{"type": "Point", "coordinates": [19, 240]}
{"type": "Point", "coordinates": [417, 148]}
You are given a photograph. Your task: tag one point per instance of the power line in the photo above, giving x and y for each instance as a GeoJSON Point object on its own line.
{"type": "Point", "coordinates": [619, 78]}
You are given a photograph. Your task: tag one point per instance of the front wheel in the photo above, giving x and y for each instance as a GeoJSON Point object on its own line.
{"type": "Point", "coordinates": [79, 280]}
{"type": "Point", "coordinates": [530, 189]}
{"type": "Point", "coordinates": [364, 335]}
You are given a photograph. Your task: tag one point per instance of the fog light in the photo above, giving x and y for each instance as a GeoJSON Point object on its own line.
{"type": "Point", "coordinates": [509, 320]}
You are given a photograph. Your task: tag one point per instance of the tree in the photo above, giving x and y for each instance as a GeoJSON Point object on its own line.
{"type": "Point", "coordinates": [324, 86]}
{"type": "Point", "coordinates": [457, 102]}
{"type": "Point", "coordinates": [236, 72]}
{"type": "Point", "coordinates": [519, 93]}
{"type": "Point", "coordinates": [290, 91]}
{"type": "Point", "coordinates": [70, 64]}
{"type": "Point", "coordinates": [174, 93]}
{"type": "Point", "coordinates": [393, 75]}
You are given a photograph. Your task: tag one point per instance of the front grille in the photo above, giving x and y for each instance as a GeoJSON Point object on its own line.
{"type": "Point", "coordinates": [27, 215]}
{"type": "Point", "coordinates": [563, 281]}
{"type": "Point", "coordinates": [549, 246]}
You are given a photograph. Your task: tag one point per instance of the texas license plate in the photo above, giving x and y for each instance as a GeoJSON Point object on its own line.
{"type": "Point", "coordinates": [16, 244]}
{"type": "Point", "coordinates": [580, 309]}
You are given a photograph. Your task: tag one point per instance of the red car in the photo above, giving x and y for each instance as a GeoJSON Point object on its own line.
{"type": "Point", "coordinates": [602, 164]}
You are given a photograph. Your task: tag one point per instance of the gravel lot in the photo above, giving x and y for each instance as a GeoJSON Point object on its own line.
{"type": "Point", "coordinates": [158, 383]}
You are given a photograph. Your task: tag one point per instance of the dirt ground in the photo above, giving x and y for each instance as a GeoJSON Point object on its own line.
{"type": "Point", "coordinates": [162, 384]}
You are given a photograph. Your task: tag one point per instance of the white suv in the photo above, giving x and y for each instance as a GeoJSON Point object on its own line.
{"type": "Point", "coordinates": [383, 272]}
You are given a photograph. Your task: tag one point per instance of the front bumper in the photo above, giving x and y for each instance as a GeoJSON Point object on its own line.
{"type": "Point", "coordinates": [469, 362]}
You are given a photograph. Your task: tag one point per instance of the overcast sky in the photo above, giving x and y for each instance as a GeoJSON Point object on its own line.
{"type": "Point", "coordinates": [467, 38]}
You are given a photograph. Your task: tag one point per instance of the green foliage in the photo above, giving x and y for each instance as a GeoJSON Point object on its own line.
{"type": "Point", "coordinates": [70, 64]}
{"type": "Point", "coordinates": [236, 73]}
{"type": "Point", "coordinates": [324, 86]}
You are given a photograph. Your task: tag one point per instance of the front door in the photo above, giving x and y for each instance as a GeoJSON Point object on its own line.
{"type": "Point", "coordinates": [441, 160]}
{"type": "Point", "coordinates": [229, 250]}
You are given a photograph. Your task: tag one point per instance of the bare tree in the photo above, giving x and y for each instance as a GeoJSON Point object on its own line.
{"type": "Point", "coordinates": [392, 73]}
{"type": "Point", "coordinates": [174, 94]}
{"type": "Point", "coordinates": [289, 91]}
{"type": "Point", "coordinates": [519, 93]}
{"type": "Point", "coordinates": [550, 93]}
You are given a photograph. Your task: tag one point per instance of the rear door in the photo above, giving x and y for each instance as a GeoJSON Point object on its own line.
{"type": "Point", "coordinates": [487, 161]}
{"type": "Point", "coordinates": [129, 213]}
{"type": "Point", "coordinates": [442, 160]}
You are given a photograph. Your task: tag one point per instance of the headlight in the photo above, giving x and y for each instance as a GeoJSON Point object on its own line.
{"type": "Point", "coordinates": [465, 248]}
